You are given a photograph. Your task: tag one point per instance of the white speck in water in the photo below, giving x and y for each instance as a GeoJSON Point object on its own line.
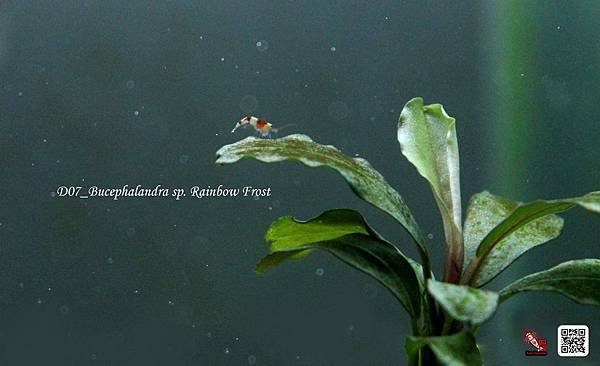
{"type": "Point", "coordinates": [430, 236]}
{"type": "Point", "coordinates": [256, 198]}
{"type": "Point", "coordinates": [57, 161]}
{"type": "Point", "coordinates": [306, 85]}
{"type": "Point", "coordinates": [136, 291]}
{"type": "Point", "coordinates": [558, 27]}
{"type": "Point", "coordinates": [351, 327]}
{"type": "Point", "coordinates": [109, 260]}
{"type": "Point", "coordinates": [262, 45]}
{"type": "Point", "coordinates": [270, 208]}
{"type": "Point", "coordinates": [171, 302]}
{"type": "Point", "coordinates": [319, 271]}
{"type": "Point", "coordinates": [208, 334]}
{"type": "Point", "coordinates": [64, 310]}
{"type": "Point", "coordinates": [39, 301]}
{"type": "Point", "coordinates": [32, 164]}
{"type": "Point", "coordinates": [236, 67]}
{"type": "Point", "coordinates": [130, 84]}
{"type": "Point", "coordinates": [226, 350]}
{"type": "Point", "coordinates": [216, 134]}
{"type": "Point", "coordinates": [93, 356]}
{"type": "Point", "coordinates": [44, 140]}
{"type": "Point", "coordinates": [136, 113]}
{"type": "Point", "coordinates": [222, 59]}
{"type": "Point", "coordinates": [251, 360]}
{"type": "Point", "coordinates": [332, 48]}
{"type": "Point", "coordinates": [21, 285]}
{"type": "Point", "coordinates": [52, 194]}
{"type": "Point", "coordinates": [20, 94]}
{"type": "Point", "coordinates": [522, 75]}
{"type": "Point", "coordinates": [49, 288]}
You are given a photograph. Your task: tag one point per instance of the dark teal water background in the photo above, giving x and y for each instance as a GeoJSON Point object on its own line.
{"type": "Point", "coordinates": [109, 93]}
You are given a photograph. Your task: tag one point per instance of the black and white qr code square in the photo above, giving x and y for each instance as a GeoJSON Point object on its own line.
{"type": "Point", "coordinates": [573, 341]}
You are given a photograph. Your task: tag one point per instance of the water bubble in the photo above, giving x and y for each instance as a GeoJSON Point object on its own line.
{"type": "Point", "coordinates": [248, 103]}
{"type": "Point", "coordinates": [338, 110]}
{"type": "Point", "coordinates": [130, 84]}
{"type": "Point", "coordinates": [44, 140]}
{"type": "Point", "coordinates": [222, 59]}
{"type": "Point", "coordinates": [319, 272]}
{"type": "Point", "coordinates": [109, 260]}
{"type": "Point", "coordinates": [262, 45]}
{"type": "Point", "coordinates": [251, 360]}
{"type": "Point", "coordinates": [430, 236]}
{"type": "Point", "coordinates": [184, 158]}
{"type": "Point", "coordinates": [332, 48]}
{"type": "Point", "coordinates": [226, 350]}
{"type": "Point", "coordinates": [136, 113]}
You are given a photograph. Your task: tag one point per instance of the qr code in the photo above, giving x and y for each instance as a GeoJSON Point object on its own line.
{"type": "Point", "coordinates": [573, 341]}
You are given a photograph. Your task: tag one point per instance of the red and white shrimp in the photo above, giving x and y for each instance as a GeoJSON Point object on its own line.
{"type": "Point", "coordinates": [261, 126]}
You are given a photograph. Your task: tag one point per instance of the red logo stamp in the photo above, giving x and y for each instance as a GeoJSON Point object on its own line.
{"type": "Point", "coordinates": [537, 346]}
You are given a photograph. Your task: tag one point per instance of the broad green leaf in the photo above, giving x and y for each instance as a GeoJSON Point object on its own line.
{"type": "Point", "coordinates": [363, 250]}
{"type": "Point", "coordinates": [494, 245]}
{"type": "Point", "coordinates": [578, 280]}
{"type": "Point", "coordinates": [485, 212]}
{"type": "Point", "coordinates": [365, 181]}
{"type": "Point", "coordinates": [464, 303]}
{"type": "Point", "coordinates": [287, 232]}
{"type": "Point", "coordinates": [427, 137]}
{"type": "Point", "coordinates": [458, 349]}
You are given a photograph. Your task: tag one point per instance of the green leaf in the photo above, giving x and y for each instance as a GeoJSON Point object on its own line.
{"type": "Point", "coordinates": [427, 137]}
{"type": "Point", "coordinates": [365, 181]}
{"type": "Point", "coordinates": [458, 349]}
{"type": "Point", "coordinates": [484, 213]}
{"type": "Point", "coordinates": [464, 303]}
{"type": "Point", "coordinates": [363, 250]}
{"type": "Point", "coordinates": [494, 245]}
{"type": "Point", "coordinates": [578, 280]}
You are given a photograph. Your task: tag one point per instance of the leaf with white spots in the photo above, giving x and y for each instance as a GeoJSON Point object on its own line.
{"type": "Point", "coordinates": [578, 280]}
{"type": "Point", "coordinates": [458, 349]}
{"type": "Point", "coordinates": [507, 229]}
{"type": "Point", "coordinates": [464, 303]}
{"type": "Point", "coordinates": [365, 181]}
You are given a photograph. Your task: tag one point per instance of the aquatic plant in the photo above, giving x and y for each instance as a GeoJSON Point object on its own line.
{"type": "Point", "coordinates": [445, 314]}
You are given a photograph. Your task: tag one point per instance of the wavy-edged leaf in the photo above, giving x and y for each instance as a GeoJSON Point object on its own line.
{"type": "Point", "coordinates": [365, 181]}
{"type": "Point", "coordinates": [493, 243]}
{"type": "Point", "coordinates": [484, 213]}
{"type": "Point", "coordinates": [458, 349]}
{"type": "Point", "coordinates": [363, 250]}
{"type": "Point", "coordinates": [464, 303]}
{"type": "Point", "coordinates": [427, 137]}
{"type": "Point", "coordinates": [578, 280]}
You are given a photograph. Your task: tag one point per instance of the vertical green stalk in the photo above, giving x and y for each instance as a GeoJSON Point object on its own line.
{"type": "Point", "coordinates": [512, 36]}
